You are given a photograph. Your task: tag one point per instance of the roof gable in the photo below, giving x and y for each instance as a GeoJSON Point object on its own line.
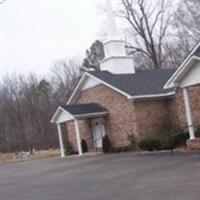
{"type": "Point", "coordinates": [142, 84]}
{"type": "Point", "coordinates": [61, 115]}
{"type": "Point", "coordinates": [184, 67]}
{"type": "Point", "coordinates": [85, 78]}
{"type": "Point", "coordinates": [192, 77]}
{"type": "Point", "coordinates": [78, 111]}
{"type": "Point", "coordinates": [146, 82]}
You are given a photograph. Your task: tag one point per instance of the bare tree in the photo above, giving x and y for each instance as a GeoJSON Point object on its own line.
{"type": "Point", "coordinates": [27, 104]}
{"type": "Point", "coordinates": [186, 32]}
{"type": "Point", "coordinates": [65, 76]}
{"type": "Point", "coordinates": [148, 24]}
{"type": "Point", "coordinates": [187, 23]}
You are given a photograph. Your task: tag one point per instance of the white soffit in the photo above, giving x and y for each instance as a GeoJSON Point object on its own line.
{"type": "Point", "coordinates": [192, 77]}
{"type": "Point", "coordinates": [181, 72]}
{"type": "Point", "coordinates": [89, 83]}
{"type": "Point", "coordinates": [85, 82]}
{"type": "Point", "coordinates": [61, 115]}
{"type": "Point", "coordinates": [171, 82]}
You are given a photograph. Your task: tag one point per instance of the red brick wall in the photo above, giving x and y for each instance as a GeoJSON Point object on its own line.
{"type": "Point", "coordinates": [167, 115]}
{"type": "Point", "coordinates": [194, 95]}
{"type": "Point", "coordinates": [85, 132]}
{"type": "Point", "coordinates": [121, 119]}
{"type": "Point", "coordinates": [72, 135]}
{"type": "Point", "coordinates": [153, 116]}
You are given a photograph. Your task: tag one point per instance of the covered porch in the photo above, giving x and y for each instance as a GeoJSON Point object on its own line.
{"type": "Point", "coordinates": [93, 113]}
{"type": "Point", "coordinates": [186, 79]}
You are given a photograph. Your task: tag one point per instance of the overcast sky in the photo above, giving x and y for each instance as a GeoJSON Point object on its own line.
{"type": "Point", "coordinates": [36, 33]}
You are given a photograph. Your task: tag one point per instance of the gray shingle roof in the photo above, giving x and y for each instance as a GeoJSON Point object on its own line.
{"type": "Point", "coordinates": [81, 109]}
{"type": "Point", "coordinates": [147, 82]}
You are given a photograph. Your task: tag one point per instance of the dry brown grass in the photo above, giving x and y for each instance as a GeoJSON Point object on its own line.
{"type": "Point", "coordinates": [11, 157]}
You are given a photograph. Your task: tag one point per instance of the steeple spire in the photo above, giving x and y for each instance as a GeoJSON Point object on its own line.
{"type": "Point", "coordinates": [111, 23]}
{"type": "Point", "coordinates": [116, 61]}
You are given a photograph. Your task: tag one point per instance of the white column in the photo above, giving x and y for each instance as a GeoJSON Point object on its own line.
{"type": "Point", "coordinates": [62, 152]}
{"type": "Point", "coordinates": [188, 113]}
{"type": "Point", "coordinates": [78, 138]}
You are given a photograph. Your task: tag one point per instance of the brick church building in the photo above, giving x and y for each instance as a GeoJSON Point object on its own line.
{"type": "Point", "coordinates": [119, 101]}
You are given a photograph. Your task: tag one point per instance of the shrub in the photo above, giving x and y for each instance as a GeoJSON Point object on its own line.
{"type": "Point", "coordinates": [167, 142]}
{"type": "Point", "coordinates": [133, 143]}
{"type": "Point", "coordinates": [157, 142]}
{"type": "Point", "coordinates": [106, 144]}
{"type": "Point", "coordinates": [149, 143]}
{"type": "Point", "coordinates": [180, 138]}
{"type": "Point", "coordinates": [197, 132]}
{"type": "Point", "coordinates": [84, 146]}
{"type": "Point", "coordinates": [120, 149]}
{"type": "Point", "coordinates": [68, 148]}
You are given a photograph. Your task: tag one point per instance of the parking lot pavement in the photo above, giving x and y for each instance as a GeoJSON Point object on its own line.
{"type": "Point", "coordinates": [107, 177]}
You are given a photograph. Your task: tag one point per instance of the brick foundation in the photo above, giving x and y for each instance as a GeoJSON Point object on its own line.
{"type": "Point", "coordinates": [193, 144]}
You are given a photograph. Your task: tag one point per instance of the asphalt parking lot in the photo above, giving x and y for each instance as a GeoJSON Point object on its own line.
{"type": "Point", "coordinates": [107, 177]}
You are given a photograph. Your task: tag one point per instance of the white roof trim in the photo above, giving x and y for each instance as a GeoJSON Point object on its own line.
{"type": "Point", "coordinates": [72, 117]}
{"type": "Point", "coordinates": [129, 97]}
{"type": "Point", "coordinates": [169, 83]}
{"type": "Point", "coordinates": [57, 113]}
{"type": "Point", "coordinates": [91, 114]}
{"type": "Point", "coordinates": [86, 74]}
{"type": "Point", "coordinates": [179, 72]}
{"type": "Point", "coordinates": [83, 78]}
{"type": "Point", "coordinates": [151, 96]}
{"type": "Point", "coordinates": [112, 87]}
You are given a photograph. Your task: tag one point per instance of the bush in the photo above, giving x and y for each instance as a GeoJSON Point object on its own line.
{"type": "Point", "coordinates": [167, 142]}
{"type": "Point", "coordinates": [157, 142]}
{"type": "Point", "coordinates": [68, 148]}
{"type": "Point", "coordinates": [84, 146]}
{"type": "Point", "coordinates": [106, 144]}
{"type": "Point", "coordinates": [197, 132]}
{"type": "Point", "coordinates": [180, 138]}
{"type": "Point", "coordinates": [149, 144]}
{"type": "Point", "coordinates": [120, 149]}
{"type": "Point", "coordinates": [133, 143]}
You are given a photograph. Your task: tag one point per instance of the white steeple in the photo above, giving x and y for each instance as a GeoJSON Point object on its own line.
{"type": "Point", "coordinates": [111, 23]}
{"type": "Point", "coordinates": [116, 61]}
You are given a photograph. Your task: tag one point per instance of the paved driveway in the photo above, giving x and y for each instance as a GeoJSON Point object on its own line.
{"type": "Point", "coordinates": [106, 177]}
